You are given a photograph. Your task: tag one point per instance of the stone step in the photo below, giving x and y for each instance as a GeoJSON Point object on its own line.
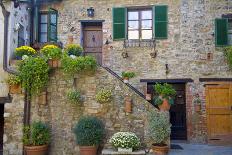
{"type": "Point", "coordinates": [112, 152]}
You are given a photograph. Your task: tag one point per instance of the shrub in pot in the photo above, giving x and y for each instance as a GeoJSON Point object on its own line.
{"type": "Point", "coordinates": [125, 141]}
{"type": "Point", "coordinates": [14, 82]}
{"type": "Point", "coordinates": [159, 130]}
{"type": "Point", "coordinates": [104, 96]}
{"type": "Point", "coordinates": [53, 53]}
{"type": "Point", "coordinates": [74, 49]}
{"type": "Point", "coordinates": [36, 138]}
{"type": "Point", "coordinates": [24, 50]}
{"type": "Point", "coordinates": [165, 96]}
{"type": "Point", "coordinates": [89, 133]}
{"type": "Point", "coordinates": [127, 75]}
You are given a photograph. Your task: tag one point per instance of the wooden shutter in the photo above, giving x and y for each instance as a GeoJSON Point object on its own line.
{"type": "Point", "coordinates": [160, 21]}
{"type": "Point", "coordinates": [119, 23]}
{"type": "Point", "coordinates": [52, 25]}
{"type": "Point", "coordinates": [221, 32]}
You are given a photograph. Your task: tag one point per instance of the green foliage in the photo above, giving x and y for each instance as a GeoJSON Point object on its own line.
{"type": "Point", "coordinates": [89, 131]}
{"type": "Point", "coordinates": [74, 49]}
{"type": "Point", "coordinates": [157, 100]}
{"type": "Point", "coordinates": [51, 52]}
{"type": "Point", "coordinates": [104, 96]}
{"type": "Point", "coordinates": [128, 74]}
{"type": "Point", "coordinates": [72, 66]}
{"type": "Point", "coordinates": [228, 55]}
{"type": "Point", "coordinates": [159, 127]}
{"type": "Point", "coordinates": [33, 73]}
{"type": "Point", "coordinates": [125, 140]}
{"type": "Point", "coordinates": [74, 96]}
{"type": "Point", "coordinates": [36, 134]}
{"type": "Point", "coordinates": [13, 80]}
{"type": "Point", "coordinates": [165, 90]}
{"type": "Point", "coordinates": [25, 50]}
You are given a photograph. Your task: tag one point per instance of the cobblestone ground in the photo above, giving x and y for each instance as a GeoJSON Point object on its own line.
{"type": "Point", "coordinates": [194, 149]}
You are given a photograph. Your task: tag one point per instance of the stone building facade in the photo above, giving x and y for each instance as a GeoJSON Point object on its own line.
{"type": "Point", "coordinates": [187, 57]}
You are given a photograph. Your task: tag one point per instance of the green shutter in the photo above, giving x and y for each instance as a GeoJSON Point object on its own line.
{"type": "Point", "coordinates": [52, 25]}
{"type": "Point", "coordinates": [160, 21]}
{"type": "Point", "coordinates": [221, 32]}
{"type": "Point", "coordinates": [119, 23]}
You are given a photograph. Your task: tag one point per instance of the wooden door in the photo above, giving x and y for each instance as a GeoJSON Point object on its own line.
{"type": "Point", "coordinates": [93, 42]}
{"type": "Point", "coordinates": [219, 110]}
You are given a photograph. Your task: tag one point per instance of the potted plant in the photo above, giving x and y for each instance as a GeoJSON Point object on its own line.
{"type": "Point", "coordinates": [197, 103]}
{"type": "Point", "coordinates": [89, 133]}
{"type": "Point", "coordinates": [14, 82]}
{"type": "Point", "coordinates": [159, 130]}
{"type": "Point", "coordinates": [228, 55]}
{"type": "Point", "coordinates": [125, 142]}
{"type": "Point", "coordinates": [104, 96]}
{"type": "Point", "coordinates": [36, 139]}
{"type": "Point", "coordinates": [165, 94]}
{"type": "Point", "coordinates": [127, 75]}
{"type": "Point", "coordinates": [53, 53]}
{"type": "Point", "coordinates": [74, 96]}
{"type": "Point", "coordinates": [74, 49]}
{"type": "Point", "coordinates": [128, 104]}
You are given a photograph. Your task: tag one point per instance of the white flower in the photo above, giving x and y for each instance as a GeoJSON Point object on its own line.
{"type": "Point", "coordinates": [24, 57]}
{"type": "Point", "coordinates": [73, 56]}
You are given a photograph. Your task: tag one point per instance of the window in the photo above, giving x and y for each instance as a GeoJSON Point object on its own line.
{"type": "Point", "coordinates": [230, 31]}
{"type": "Point", "coordinates": [21, 39]}
{"type": "Point", "coordinates": [139, 24]}
{"type": "Point", "coordinates": [48, 26]}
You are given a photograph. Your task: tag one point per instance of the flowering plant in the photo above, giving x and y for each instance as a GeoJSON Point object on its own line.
{"type": "Point", "coordinates": [52, 52]}
{"type": "Point", "coordinates": [25, 50]}
{"type": "Point", "coordinates": [125, 140]}
{"type": "Point", "coordinates": [103, 96]}
{"type": "Point", "coordinates": [74, 49]}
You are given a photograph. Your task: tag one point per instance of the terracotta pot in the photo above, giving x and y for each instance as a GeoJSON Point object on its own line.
{"type": "Point", "coordinates": [126, 80]}
{"type": "Point", "coordinates": [36, 150]}
{"type": "Point", "coordinates": [197, 107]}
{"type": "Point", "coordinates": [165, 106]}
{"type": "Point", "coordinates": [43, 98]}
{"type": "Point", "coordinates": [88, 150]}
{"type": "Point", "coordinates": [160, 150]}
{"type": "Point", "coordinates": [148, 97]}
{"type": "Point", "coordinates": [54, 63]}
{"type": "Point", "coordinates": [128, 104]}
{"type": "Point", "coordinates": [15, 89]}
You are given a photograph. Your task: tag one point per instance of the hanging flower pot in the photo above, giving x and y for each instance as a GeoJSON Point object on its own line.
{"type": "Point", "coordinates": [43, 98]}
{"type": "Point", "coordinates": [54, 63]}
{"type": "Point", "coordinates": [14, 82]}
{"type": "Point", "coordinates": [126, 80]}
{"type": "Point", "coordinates": [165, 106]}
{"type": "Point", "coordinates": [15, 89]}
{"type": "Point", "coordinates": [128, 104]}
{"type": "Point", "coordinates": [127, 75]}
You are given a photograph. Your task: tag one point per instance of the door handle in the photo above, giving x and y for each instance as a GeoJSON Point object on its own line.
{"type": "Point", "coordinates": [93, 38]}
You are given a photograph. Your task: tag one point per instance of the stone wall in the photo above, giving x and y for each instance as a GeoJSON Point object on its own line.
{"type": "Point", "coordinates": [62, 115]}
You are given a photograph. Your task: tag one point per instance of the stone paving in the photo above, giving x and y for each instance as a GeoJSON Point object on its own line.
{"type": "Point", "coordinates": [197, 149]}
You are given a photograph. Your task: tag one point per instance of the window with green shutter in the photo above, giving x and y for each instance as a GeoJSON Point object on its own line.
{"type": "Point", "coordinates": [52, 26]}
{"type": "Point", "coordinates": [119, 23]}
{"type": "Point", "coordinates": [221, 32]}
{"type": "Point", "coordinates": [160, 21]}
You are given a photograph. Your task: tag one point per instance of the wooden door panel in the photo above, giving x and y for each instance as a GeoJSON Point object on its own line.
{"type": "Point", "coordinates": [218, 108]}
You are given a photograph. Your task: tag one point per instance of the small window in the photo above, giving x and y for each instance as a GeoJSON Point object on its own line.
{"type": "Point", "coordinates": [140, 24]}
{"type": "Point", "coordinates": [43, 28]}
{"type": "Point", "coordinates": [21, 39]}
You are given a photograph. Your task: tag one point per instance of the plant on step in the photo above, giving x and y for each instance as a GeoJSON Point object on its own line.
{"type": "Point", "coordinates": [159, 127]}
{"type": "Point", "coordinates": [228, 55]}
{"type": "Point", "coordinates": [74, 96]}
{"type": "Point", "coordinates": [125, 140]}
{"type": "Point", "coordinates": [128, 75]}
{"type": "Point", "coordinates": [89, 131]}
{"type": "Point", "coordinates": [33, 73]}
{"type": "Point", "coordinates": [25, 50]}
{"type": "Point", "coordinates": [165, 95]}
{"type": "Point", "coordinates": [13, 80]}
{"type": "Point", "coordinates": [51, 52]}
{"type": "Point", "coordinates": [104, 96]}
{"type": "Point", "coordinates": [37, 134]}
{"type": "Point", "coordinates": [75, 65]}
{"type": "Point", "coordinates": [74, 49]}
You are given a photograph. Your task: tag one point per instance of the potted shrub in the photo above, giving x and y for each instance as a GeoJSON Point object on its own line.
{"type": "Point", "coordinates": [228, 55]}
{"type": "Point", "coordinates": [33, 73]}
{"type": "Point", "coordinates": [14, 82]}
{"type": "Point", "coordinates": [74, 96]}
{"type": "Point", "coordinates": [74, 49]}
{"type": "Point", "coordinates": [125, 142]}
{"type": "Point", "coordinates": [159, 130]}
{"type": "Point", "coordinates": [53, 53]}
{"type": "Point", "coordinates": [197, 103]}
{"type": "Point", "coordinates": [24, 50]}
{"type": "Point", "coordinates": [89, 133]}
{"type": "Point", "coordinates": [127, 75]}
{"type": "Point", "coordinates": [36, 139]}
{"type": "Point", "coordinates": [165, 96]}
{"type": "Point", "coordinates": [104, 96]}
{"type": "Point", "coordinates": [128, 104]}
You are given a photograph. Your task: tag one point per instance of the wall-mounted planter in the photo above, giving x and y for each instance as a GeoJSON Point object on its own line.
{"type": "Point", "coordinates": [126, 80]}
{"type": "Point", "coordinates": [128, 104]}
{"type": "Point", "coordinates": [54, 63]}
{"type": "Point", "coordinates": [43, 98]}
{"type": "Point", "coordinates": [15, 89]}
{"type": "Point", "coordinates": [165, 106]}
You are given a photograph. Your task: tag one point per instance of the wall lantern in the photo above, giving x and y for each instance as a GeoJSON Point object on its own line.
{"type": "Point", "coordinates": [90, 12]}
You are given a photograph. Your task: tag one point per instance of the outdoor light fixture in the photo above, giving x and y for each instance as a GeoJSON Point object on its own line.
{"type": "Point", "coordinates": [90, 12]}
